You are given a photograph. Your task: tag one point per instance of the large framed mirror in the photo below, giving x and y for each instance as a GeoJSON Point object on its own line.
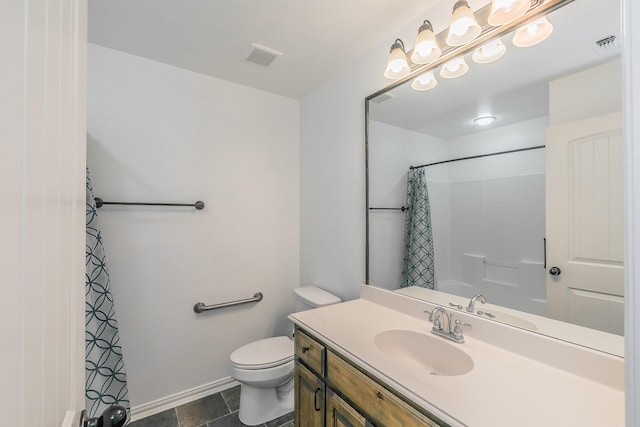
{"type": "Point", "coordinates": [525, 210]}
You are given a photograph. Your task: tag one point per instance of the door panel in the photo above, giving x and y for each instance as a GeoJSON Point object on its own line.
{"type": "Point", "coordinates": [585, 232]}
{"type": "Point", "coordinates": [42, 165]}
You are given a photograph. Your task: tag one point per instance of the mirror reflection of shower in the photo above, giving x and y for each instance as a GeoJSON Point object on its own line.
{"type": "Point", "coordinates": [489, 225]}
{"type": "Point", "coordinates": [487, 215]}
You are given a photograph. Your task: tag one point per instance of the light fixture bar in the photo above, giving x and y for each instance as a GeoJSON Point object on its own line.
{"type": "Point", "coordinates": [538, 8]}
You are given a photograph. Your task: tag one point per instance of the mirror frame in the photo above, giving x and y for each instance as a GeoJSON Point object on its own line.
{"type": "Point", "coordinates": [538, 8]}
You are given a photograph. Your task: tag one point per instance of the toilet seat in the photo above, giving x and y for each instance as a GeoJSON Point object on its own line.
{"type": "Point", "coordinates": [264, 353]}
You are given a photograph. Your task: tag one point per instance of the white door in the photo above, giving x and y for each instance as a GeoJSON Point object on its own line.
{"type": "Point", "coordinates": [585, 223]}
{"type": "Point", "coordinates": [42, 219]}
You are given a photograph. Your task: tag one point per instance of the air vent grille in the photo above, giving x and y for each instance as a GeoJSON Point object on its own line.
{"type": "Point", "coordinates": [260, 55]}
{"type": "Point", "coordinates": [608, 44]}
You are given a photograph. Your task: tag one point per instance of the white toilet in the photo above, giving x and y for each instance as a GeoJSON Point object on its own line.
{"type": "Point", "coordinates": [264, 368]}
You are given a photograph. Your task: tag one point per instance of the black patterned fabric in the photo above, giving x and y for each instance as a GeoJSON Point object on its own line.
{"type": "Point", "coordinates": [418, 260]}
{"type": "Point", "coordinates": [106, 380]}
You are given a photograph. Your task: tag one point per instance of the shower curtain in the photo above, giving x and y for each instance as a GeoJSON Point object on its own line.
{"type": "Point", "coordinates": [418, 259]}
{"type": "Point", "coordinates": [105, 377]}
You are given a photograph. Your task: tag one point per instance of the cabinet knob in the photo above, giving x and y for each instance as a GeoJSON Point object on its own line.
{"type": "Point", "coordinates": [379, 395]}
{"type": "Point", "coordinates": [305, 349]}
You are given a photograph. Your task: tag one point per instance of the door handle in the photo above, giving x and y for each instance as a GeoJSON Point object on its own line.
{"type": "Point", "coordinates": [315, 400]}
{"type": "Point", "coordinates": [113, 416]}
{"type": "Point", "coordinates": [555, 271]}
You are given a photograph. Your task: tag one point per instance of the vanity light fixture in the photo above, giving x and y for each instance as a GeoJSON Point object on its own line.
{"type": "Point", "coordinates": [463, 27]}
{"type": "Point", "coordinates": [424, 81]}
{"type": "Point", "coordinates": [454, 68]}
{"type": "Point", "coordinates": [489, 52]}
{"type": "Point", "coordinates": [397, 66]}
{"type": "Point", "coordinates": [426, 49]}
{"type": "Point", "coordinates": [484, 120]}
{"type": "Point", "coordinates": [505, 11]}
{"type": "Point", "coordinates": [533, 32]}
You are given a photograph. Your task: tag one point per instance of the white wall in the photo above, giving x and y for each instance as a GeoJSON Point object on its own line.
{"type": "Point", "coordinates": [588, 93]}
{"type": "Point", "coordinates": [159, 133]}
{"type": "Point", "coordinates": [332, 177]}
{"type": "Point", "coordinates": [392, 151]}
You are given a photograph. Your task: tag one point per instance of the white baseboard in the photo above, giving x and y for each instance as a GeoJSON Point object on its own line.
{"type": "Point", "coordinates": [170, 402]}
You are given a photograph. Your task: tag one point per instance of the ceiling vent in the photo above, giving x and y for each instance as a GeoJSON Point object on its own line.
{"type": "Point", "coordinates": [610, 43]}
{"type": "Point", "coordinates": [260, 55]}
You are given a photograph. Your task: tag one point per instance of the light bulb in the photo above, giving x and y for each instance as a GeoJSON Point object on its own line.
{"type": "Point", "coordinates": [489, 52]}
{"type": "Point", "coordinates": [484, 120]}
{"type": "Point", "coordinates": [426, 49]}
{"type": "Point", "coordinates": [397, 66]}
{"type": "Point", "coordinates": [454, 68]}
{"type": "Point", "coordinates": [505, 11]}
{"type": "Point", "coordinates": [424, 81]}
{"type": "Point", "coordinates": [533, 32]}
{"type": "Point", "coordinates": [463, 26]}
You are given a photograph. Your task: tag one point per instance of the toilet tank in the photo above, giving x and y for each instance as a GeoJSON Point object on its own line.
{"type": "Point", "coordinates": [308, 297]}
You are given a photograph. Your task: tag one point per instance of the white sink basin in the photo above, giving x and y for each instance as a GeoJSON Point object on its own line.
{"type": "Point", "coordinates": [424, 352]}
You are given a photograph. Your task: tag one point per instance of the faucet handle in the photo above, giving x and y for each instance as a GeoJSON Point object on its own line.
{"type": "Point", "coordinates": [431, 314]}
{"type": "Point", "coordinates": [457, 331]}
{"type": "Point", "coordinates": [437, 324]}
{"type": "Point", "coordinates": [459, 322]}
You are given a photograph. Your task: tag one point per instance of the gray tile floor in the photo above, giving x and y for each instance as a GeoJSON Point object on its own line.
{"type": "Point", "coordinates": [217, 410]}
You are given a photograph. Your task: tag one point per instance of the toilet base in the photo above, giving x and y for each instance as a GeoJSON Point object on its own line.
{"type": "Point", "coordinates": [259, 405]}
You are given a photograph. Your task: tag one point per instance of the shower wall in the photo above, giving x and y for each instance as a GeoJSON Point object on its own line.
{"type": "Point", "coordinates": [159, 133]}
{"type": "Point", "coordinates": [497, 216]}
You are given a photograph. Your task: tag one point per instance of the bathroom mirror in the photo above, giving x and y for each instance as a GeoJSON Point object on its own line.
{"type": "Point", "coordinates": [489, 214]}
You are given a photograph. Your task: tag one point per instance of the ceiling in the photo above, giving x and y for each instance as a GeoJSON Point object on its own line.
{"type": "Point", "coordinates": [317, 38]}
{"type": "Point", "coordinates": [515, 87]}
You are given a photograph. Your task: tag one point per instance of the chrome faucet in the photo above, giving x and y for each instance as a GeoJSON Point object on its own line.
{"type": "Point", "coordinates": [438, 316]}
{"type": "Point", "coordinates": [477, 297]}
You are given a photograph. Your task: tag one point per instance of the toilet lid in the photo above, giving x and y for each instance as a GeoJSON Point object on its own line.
{"type": "Point", "coordinates": [264, 353]}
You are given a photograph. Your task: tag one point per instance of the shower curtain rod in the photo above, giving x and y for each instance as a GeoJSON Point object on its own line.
{"type": "Point", "coordinates": [478, 156]}
{"type": "Point", "coordinates": [199, 205]}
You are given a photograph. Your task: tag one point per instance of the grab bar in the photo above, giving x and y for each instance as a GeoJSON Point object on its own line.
{"type": "Point", "coordinates": [200, 307]}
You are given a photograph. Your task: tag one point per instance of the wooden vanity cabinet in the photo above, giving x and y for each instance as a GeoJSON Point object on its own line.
{"type": "Point", "coordinates": [330, 391]}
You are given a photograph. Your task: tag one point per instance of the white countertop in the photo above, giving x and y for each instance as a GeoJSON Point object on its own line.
{"type": "Point", "coordinates": [505, 388]}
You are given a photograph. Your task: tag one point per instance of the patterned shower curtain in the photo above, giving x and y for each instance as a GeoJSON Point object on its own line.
{"type": "Point", "coordinates": [106, 380]}
{"type": "Point", "coordinates": [418, 260]}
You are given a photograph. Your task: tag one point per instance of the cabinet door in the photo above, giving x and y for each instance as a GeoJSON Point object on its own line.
{"type": "Point", "coordinates": [309, 398]}
{"type": "Point", "coordinates": [340, 414]}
